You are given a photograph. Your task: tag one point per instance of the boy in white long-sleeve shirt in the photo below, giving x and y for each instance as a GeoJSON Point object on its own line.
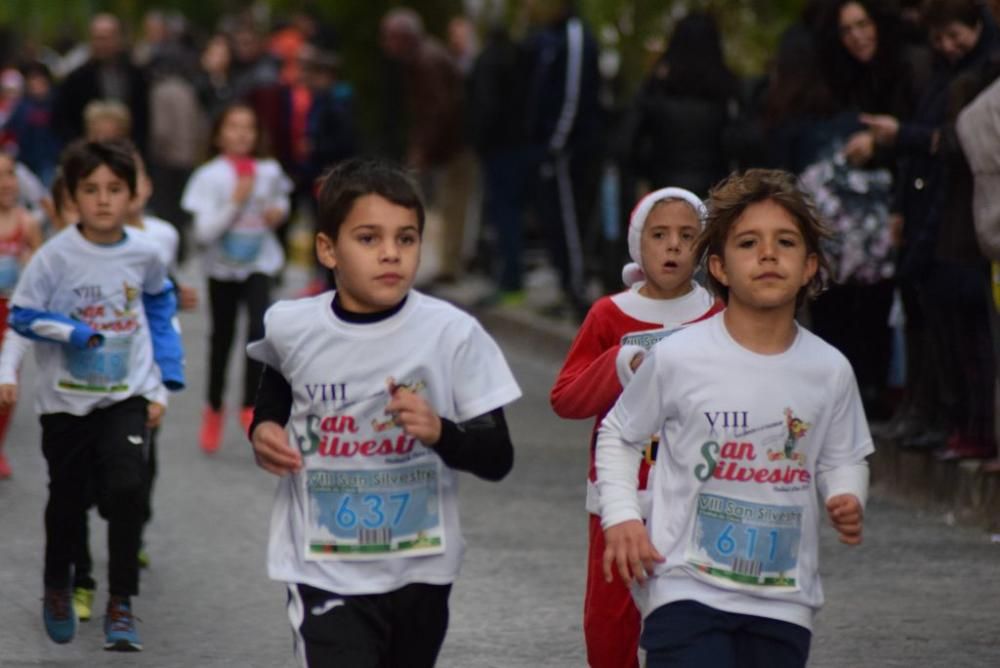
{"type": "Point", "coordinates": [756, 416]}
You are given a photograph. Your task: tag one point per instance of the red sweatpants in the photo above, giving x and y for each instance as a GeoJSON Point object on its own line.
{"type": "Point", "coordinates": [611, 622]}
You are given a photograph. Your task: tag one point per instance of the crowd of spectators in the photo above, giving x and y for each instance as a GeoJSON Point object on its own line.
{"type": "Point", "coordinates": [513, 123]}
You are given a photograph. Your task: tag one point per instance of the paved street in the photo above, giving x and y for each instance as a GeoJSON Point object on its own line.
{"type": "Point", "coordinates": [918, 593]}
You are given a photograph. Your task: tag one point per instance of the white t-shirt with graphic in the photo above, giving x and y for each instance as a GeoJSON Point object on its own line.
{"type": "Point", "coordinates": [164, 237]}
{"type": "Point", "coordinates": [373, 509]}
{"type": "Point", "coordinates": [101, 286]}
{"type": "Point", "coordinates": [238, 242]}
{"type": "Point", "coordinates": [751, 441]}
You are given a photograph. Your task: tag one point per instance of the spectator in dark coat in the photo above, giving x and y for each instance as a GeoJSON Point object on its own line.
{"type": "Point", "coordinates": [31, 124]}
{"type": "Point", "coordinates": [939, 257]}
{"type": "Point", "coordinates": [564, 126]}
{"type": "Point", "coordinates": [868, 69]}
{"type": "Point", "coordinates": [496, 119]}
{"type": "Point", "coordinates": [107, 75]}
{"type": "Point", "coordinates": [683, 109]}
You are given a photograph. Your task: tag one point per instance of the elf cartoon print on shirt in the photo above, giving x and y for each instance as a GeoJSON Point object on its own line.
{"type": "Point", "coordinates": [735, 538]}
{"type": "Point", "coordinates": [373, 492]}
{"type": "Point", "coordinates": [104, 369]}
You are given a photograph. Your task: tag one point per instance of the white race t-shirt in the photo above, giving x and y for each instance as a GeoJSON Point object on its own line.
{"type": "Point", "coordinates": [238, 242]}
{"type": "Point", "coordinates": [164, 237]}
{"type": "Point", "coordinates": [373, 509]}
{"type": "Point", "coordinates": [101, 286]}
{"type": "Point", "coordinates": [746, 442]}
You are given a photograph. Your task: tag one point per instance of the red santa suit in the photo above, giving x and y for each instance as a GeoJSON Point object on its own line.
{"type": "Point", "coordinates": [597, 367]}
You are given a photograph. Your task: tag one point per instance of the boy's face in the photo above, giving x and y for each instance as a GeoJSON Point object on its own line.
{"type": "Point", "coordinates": [375, 255]}
{"type": "Point", "coordinates": [102, 199]}
{"type": "Point", "coordinates": [8, 183]}
{"type": "Point", "coordinates": [667, 249]}
{"type": "Point", "coordinates": [765, 261]}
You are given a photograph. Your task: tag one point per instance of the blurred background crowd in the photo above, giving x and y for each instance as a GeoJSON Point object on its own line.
{"type": "Point", "coordinates": [532, 126]}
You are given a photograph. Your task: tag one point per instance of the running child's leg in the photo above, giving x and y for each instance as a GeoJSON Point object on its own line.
{"type": "Point", "coordinates": [771, 643]}
{"type": "Point", "coordinates": [334, 630]}
{"type": "Point", "coordinates": [223, 302]}
{"type": "Point", "coordinates": [257, 293]}
{"type": "Point", "coordinates": [122, 455]}
{"type": "Point", "coordinates": [419, 624]}
{"type": "Point", "coordinates": [687, 634]}
{"type": "Point", "coordinates": [611, 622]}
{"type": "Point", "coordinates": [7, 414]}
{"type": "Point", "coordinates": [83, 564]}
{"type": "Point", "coordinates": [147, 514]}
{"type": "Point", "coordinates": [68, 447]}
{"type": "Point", "coordinates": [405, 627]}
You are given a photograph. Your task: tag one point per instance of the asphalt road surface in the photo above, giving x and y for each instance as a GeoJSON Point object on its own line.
{"type": "Point", "coordinates": [918, 592]}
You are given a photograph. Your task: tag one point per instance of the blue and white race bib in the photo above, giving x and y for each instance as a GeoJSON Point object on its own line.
{"type": "Point", "coordinates": [103, 370]}
{"type": "Point", "coordinates": [241, 247]}
{"type": "Point", "coordinates": [749, 544]}
{"type": "Point", "coordinates": [374, 513]}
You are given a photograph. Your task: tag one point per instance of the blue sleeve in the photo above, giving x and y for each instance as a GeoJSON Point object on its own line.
{"type": "Point", "coordinates": [168, 349]}
{"type": "Point", "coordinates": [52, 327]}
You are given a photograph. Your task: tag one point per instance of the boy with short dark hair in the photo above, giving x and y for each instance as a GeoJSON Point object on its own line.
{"type": "Point", "coordinates": [88, 299]}
{"type": "Point", "coordinates": [386, 392]}
{"type": "Point", "coordinates": [756, 415]}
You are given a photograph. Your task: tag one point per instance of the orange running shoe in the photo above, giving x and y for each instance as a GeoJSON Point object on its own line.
{"type": "Point", "coordinates": [211, 430]}
{"type": "Point", "coordinates": [246, 417]}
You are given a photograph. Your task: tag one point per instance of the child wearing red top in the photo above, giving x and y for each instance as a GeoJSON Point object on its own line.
{"type": "Point", "coordinates": [661, 297]}
{"type": "Point", "coordinates": [20, 235]}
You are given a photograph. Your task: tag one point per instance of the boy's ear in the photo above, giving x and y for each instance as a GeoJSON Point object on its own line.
{"type": "Point", "coordinates": [812, 266]}
{"type": "Point", "coordinates": [326, 250]}
{"type": "Point", "coordinates": [718, 269]}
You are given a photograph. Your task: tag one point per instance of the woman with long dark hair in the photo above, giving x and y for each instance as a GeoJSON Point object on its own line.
{"type": "Point", "coordinates": [682, 109]}
{"type": "Point", "coordinates": [867, 70]}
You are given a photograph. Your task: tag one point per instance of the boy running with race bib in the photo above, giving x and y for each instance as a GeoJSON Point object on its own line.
{"type": "Point", "coordinates": [757, 417]}
{"type": "Point", "coordinates": [93, 297]}
{"type": "Point", "coordinates": [386, 393]}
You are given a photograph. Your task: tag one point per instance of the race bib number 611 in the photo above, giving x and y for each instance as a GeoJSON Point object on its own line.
{"type": "Point", "coordinates": [750, 544]}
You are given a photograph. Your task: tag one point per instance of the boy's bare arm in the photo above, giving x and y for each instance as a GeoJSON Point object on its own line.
{"type": "Point", "coordinates": [847, 516]}
{"type": "Point", "coordinates": [272, 450]}
{"type": "Point", "coordinates": [629, 551]}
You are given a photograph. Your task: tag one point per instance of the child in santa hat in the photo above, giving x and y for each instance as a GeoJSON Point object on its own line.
{"type": "Point", "coordinates": [662, 296]}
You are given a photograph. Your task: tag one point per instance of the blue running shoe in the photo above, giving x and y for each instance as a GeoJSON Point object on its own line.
{"type": "Point", "coordinates": [120, 634]}
{"type": "Point", "coordinates": [58, 615]}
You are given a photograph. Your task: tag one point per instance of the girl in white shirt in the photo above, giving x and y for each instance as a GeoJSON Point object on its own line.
{"type": "Point", "coordinates": [237, 200]}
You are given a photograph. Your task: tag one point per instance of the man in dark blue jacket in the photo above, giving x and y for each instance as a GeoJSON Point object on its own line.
{"type": "Point", "coordinates": [563, 129]}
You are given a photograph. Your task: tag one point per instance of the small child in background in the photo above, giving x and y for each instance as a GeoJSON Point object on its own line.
{"type": "Point", "coordinates": [104, 120]}
{"type": "Point", "coordinates": [165, 238]}
{"type": "Point", "coordinates": [759, 418]}
{"type": "Point", "coordinates": [20, 235]}
{"type": "Point", "coordinates": [93, 298]}
{"type": "Point", "coordinates": [611, 344]}
{"type": "Point", "coordinates": [60, 211]}
{"type": "Point", "coordinates": [237, 200]}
